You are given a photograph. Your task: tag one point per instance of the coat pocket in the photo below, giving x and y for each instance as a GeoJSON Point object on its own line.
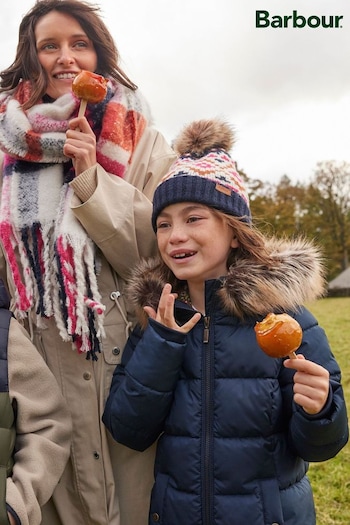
{"type": "Point", "coordinates": [158, 499]}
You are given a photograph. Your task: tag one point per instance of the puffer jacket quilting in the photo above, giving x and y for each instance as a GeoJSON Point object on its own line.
{"type": "Point", "coordinates": [233, 447]}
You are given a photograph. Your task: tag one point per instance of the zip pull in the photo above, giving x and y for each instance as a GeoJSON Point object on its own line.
{"type": "Point", "coordinates": [206, 329]}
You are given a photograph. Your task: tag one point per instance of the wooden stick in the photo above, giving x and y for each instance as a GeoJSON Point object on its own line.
{"type": "Point", "coordinates": [82, 108]}
{"type": "Point", "coordinates": [292, 355]}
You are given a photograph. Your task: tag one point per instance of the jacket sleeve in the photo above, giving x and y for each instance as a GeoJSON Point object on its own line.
{"type": "Point", "coordinates": [321, 436]}
{"type": "Point", "coordinates": [43, 429]}
{"type": "Point", "coordinates": [116, 212]}
{"type": "Point", "coordinates": [142, 387]}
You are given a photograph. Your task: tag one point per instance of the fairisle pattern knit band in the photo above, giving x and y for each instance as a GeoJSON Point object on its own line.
{"type": "Point", "coordinates": [51, 257]}
{"type": "Point", "coordinates": [204, 172]}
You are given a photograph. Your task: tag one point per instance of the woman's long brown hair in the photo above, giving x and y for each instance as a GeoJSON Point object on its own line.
{"type": "Point", "coordinates": [26, 65]}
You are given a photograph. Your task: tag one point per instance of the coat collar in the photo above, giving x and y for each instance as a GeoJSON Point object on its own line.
{"type": "Point", "coordinates": [294, 276]}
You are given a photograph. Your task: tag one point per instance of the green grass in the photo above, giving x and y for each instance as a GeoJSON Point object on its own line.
{"type": "Point", "coordinates": [331, 479]}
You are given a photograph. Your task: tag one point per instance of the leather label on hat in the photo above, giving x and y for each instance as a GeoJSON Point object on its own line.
{"type": "Point", "coordinates": [223, 189]}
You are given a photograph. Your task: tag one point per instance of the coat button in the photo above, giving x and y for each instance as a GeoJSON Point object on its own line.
{"type": "Point", "coordinates": [96, 455]}
{"type": "Point", "coordinates": [87, 376]}
{"type": "Point", "coordinates": [155, 516]}
{"type": "Point", "coordinates": [116, 350]}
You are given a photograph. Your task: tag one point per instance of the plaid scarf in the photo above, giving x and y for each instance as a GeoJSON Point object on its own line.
{"type": "Point", "coordinates": [55, 270]}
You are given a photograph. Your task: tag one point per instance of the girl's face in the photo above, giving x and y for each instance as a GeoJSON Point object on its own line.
{"type": "Point", "coordinates": [63, 51]}
{"type": "Point", "coordinates": [194, 242]}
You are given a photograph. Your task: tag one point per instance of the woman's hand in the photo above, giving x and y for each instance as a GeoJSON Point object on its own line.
{"type": "Point", "coordinates": [165, 312]}
{"type": "Point", "coordinates": [311, 384]}
{"type": "Point", "coordinates": [80, 144]}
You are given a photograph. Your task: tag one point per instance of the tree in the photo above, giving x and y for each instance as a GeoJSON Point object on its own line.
{"type": "Point", "coordinates": [319, 210]}
{"type": "Point", "coordinates": [279, 206]}
{"type": "Point", "coordinates": [332, 180]}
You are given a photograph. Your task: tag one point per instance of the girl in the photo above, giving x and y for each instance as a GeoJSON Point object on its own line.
{"type": "Point", "coordinates": [75, 218]}
{"type": "Point", "coordinates": [236, 428]}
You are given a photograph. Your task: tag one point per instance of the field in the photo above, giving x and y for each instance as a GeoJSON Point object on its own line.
{"type": "Point", "coordinates": [331, 480]}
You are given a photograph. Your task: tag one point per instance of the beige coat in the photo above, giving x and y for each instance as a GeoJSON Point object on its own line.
{"type": "Point", "coordinates": [105, 483]}
{"type": "Point", "coordinates": [43, 428]}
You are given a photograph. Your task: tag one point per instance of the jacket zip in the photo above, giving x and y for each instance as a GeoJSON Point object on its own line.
{"type": "Point", "coordinates": [207, 426]}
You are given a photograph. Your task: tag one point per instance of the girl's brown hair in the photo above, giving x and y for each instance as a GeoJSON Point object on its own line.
{"type": "Point", "coordinates": [26, 65]}
{"type": "Point", "coordinates": [251, 242]}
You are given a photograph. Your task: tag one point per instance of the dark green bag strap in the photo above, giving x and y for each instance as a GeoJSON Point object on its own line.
{"type": "Point", "coordinates": [7, 430]}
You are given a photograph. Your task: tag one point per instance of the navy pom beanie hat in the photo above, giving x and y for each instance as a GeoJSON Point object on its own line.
{"type": "Point", "coordinates": [204, 172]}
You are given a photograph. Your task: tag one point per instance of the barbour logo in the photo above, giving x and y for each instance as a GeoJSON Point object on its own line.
{"type": "Point", "coordinates": [263, 19]}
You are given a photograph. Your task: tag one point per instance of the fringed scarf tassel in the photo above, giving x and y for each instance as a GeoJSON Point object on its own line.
{"type": "Point", "coordinates": [23, 291]}
{"type": "Point", "coordinates": [68, 278]}
{"type": "Point", "coordinates": [78, 311]}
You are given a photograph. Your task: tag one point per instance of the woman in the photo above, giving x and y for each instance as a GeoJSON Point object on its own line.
{"type": "Point", "coordinates": [75, 211]}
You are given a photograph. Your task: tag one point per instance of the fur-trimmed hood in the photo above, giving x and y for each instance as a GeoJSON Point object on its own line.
{"type": "Point", "coordinates": [294, 276]}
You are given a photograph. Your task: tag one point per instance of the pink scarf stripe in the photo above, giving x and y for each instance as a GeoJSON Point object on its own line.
{"type": "Point", "coordinates": [110, 165]}
{"type": "Point", "coordinates": [82, 344]}
{"type": "Point", "coordinates": [23, 302]}
{"type": "Point", "coordinates": [68, 275]}
{"type": "Point", "coordinates": [96, 306]}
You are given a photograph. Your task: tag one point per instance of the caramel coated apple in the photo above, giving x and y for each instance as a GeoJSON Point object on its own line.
{"type": "Point", "coordinates": [278, 335]}
{"type": "Point", "coordinates": [90, 87]}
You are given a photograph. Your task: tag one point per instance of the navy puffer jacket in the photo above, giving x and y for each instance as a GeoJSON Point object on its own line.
{"type": "Point", "coordinates": [233, 447]}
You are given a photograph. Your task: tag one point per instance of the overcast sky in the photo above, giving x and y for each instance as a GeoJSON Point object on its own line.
{"type": "Point", "coordinates": [286, 91]}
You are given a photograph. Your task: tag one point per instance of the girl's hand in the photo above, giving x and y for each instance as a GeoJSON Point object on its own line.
{"type": "Point", "coordinates": [80, 144]}
{"type": "Point", "coordinates": [311, 384]}
{"type": "Point", "coordinates": [165, 312]}
{"type": "Point", "coordinates": [11, 519]}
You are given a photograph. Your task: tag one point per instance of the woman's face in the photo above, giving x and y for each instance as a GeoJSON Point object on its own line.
{"type": "Point", "coordinates": [63, 51]}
